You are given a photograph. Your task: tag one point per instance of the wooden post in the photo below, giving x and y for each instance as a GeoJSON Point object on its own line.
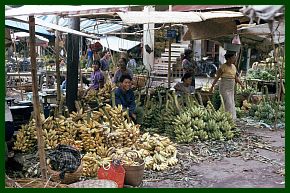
{"type": "Point", "coordinates": [58, 94]}
{"type": "Point", "coordinates": [270, 24]}
{"type": "Point", "coordinates": [169, 60]}
{"type": "Point", "coordinates": [72, 65]}
{"type": "Point", "coordinates": [18, 66]}
{"type": "Point", "coordinates": [36, 105]}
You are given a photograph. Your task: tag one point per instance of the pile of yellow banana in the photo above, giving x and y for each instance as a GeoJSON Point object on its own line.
{"type": "Point", "coordinates": [103, 136]}
{"type": "Point", "coordinates": [157, 151]}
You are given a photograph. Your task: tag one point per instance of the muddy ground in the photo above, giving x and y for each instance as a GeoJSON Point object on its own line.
{"type": "Point", "coordinates": [255, 160]}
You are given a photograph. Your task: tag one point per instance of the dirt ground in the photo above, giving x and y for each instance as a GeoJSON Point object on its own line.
{"type": "Point", "coordinates": [248, 166]}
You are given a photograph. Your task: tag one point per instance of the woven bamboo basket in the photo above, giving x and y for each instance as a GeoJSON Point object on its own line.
{"type": "Point", "coordinates": [94, 184]}
{"type": "Point", "coordinates": [68, 177]}
{"type": "Point", "coordinates": [139, 81]}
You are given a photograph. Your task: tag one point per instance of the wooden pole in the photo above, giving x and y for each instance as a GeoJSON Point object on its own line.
{"type": "Point", "coordinates": [169, 60]}
{"type": "Point", "coordinates": [72, 65]}
{"type": "Point", "coordinates": [18, 66]}
{"type": "Point", "coordinates": [58, 94]}
{"type": "Point", "coordinates": [36, 105]}
{"type": "Point", "coordinates": [270, 24]}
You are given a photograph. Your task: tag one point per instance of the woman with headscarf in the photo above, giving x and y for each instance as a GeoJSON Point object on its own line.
{"type": "Point", "coordinates": [228, 74]}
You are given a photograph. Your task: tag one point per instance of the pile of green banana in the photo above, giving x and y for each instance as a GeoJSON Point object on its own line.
{"type": "Point", "coordinates": [200, 123]}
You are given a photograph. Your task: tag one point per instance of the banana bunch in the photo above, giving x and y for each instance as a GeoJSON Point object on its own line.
{"type": "Point", "coordinates": [26, 137]}
{"type": "Point", "coordinates": [79, 115]}
{"type": "Point", "coordinates": [183, 129]}
{"type": "Point", "coordinates": [200, 134]}
{"type": "Point", "coordinates": [91, 164]}
{"type": "Point", "coordinates": [216, 135]}
{"type": "Point", "coordinates": [128, 156]}
{"type": "Point", "coordinates": [91, 95]}
{"type": "Point", "coordinates": [158, 152]}
{"type": "Point", "coordinates": [104, 94]}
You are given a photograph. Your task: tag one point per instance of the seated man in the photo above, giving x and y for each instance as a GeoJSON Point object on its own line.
{"type": "Point", "coordinates": [125, 97]}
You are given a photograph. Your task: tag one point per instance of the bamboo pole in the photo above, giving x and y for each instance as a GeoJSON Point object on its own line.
{"type": "Point", "coordinates": [270, 24]}
{"type": "Point", "coordinates": [58, 94]}
{"type": "Point", "coordinates": [169, 60]}
{"type": "Point", "coordinates": [36, 105]}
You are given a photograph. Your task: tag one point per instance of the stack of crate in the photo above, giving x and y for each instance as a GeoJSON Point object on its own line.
{"type": "Point", "coordinates": [161, 68]}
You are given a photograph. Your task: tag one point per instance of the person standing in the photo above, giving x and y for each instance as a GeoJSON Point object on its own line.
{"type": "Point", "coordinates": [131, 63]}
{"type": "Point", "coordinates": [105, 63]}
{"type": "Point", "coordinates": [229, 77]}
{"type": "Point", "coordinates": [90, 57]}
{"type": "Point", "coordinates": [188, 66]}
{"type": "Point", "coordinates": [123, 70]}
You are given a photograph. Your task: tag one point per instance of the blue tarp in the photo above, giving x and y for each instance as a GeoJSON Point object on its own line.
{"type": "Point", "coordinates": [86, 26]}
{"type": "Point", "coordinates": [25, 27]}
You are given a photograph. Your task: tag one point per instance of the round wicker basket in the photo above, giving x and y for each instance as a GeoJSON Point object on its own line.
{"type": "Point", "coordinates": [94, 184]}
{"type": "Point", "coordinates": [68, 177]}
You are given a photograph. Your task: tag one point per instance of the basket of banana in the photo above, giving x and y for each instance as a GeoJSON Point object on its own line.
{"type": "Point", "coordinates": [68, 177]}
{"type": "Point", "coordinates": [134, 168]}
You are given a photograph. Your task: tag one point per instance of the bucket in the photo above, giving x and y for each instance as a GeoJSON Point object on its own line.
{"type": "Point", "coordinates": [114, 171]}
{"type": "Point", "coordinates": [134, 174]}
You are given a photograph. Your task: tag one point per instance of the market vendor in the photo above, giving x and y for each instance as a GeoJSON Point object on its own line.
{"type": "Point", "coordinates": [125, 96]}
{"type": "Point", "coordinates": [185, 86]}
{"type": "Point", "coordinates": [228, 74]}
{"type": "Point", "coordinates": [123, 70]}
{"type": "Point", "coordinates": [97, 77]}
{"type": "Point", "coordinates": [188, 66]}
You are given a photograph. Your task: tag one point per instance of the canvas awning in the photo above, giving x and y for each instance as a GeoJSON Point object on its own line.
{"type": "Point", "coordinates": [63, 10]}
{"type": "Point", "coordinates": [118, 44]}
{"type": "Point", "coordinates": [135, 17]}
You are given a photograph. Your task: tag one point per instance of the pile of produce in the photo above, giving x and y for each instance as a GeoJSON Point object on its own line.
{"type": "Point", "coordinates": [265, 112]}
{"type": "Point", "coordinates": [102, 136]}
{"type": "Point", "coordinates": [267, 74]}
{"type": "Point", "coordinates": [184, 120]}
{"type": "Point", "coordinates": [200, 123]}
